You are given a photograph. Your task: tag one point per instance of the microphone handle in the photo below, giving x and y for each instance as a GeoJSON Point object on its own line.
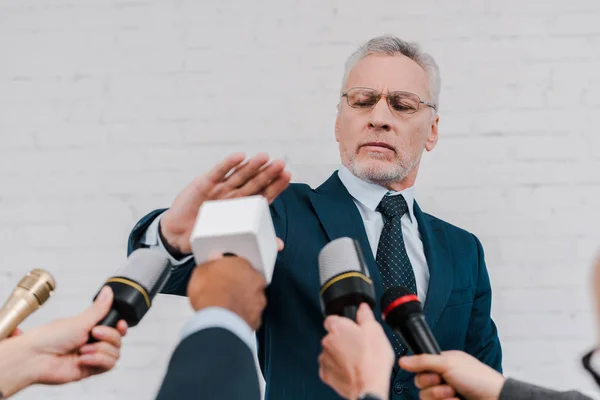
{"type": "Point", "coordinates": [350, 312]}
{"type": "Point", "coordinates": [418, 336]}
{"type": "Point", "coordinates": [18, 307]}
{"type": "Point", "coordinates": [420, 339]}
{"type": "Point", "coordinates": [111, 319]}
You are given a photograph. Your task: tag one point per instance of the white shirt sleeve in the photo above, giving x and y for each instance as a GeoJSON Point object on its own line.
{"type": "Point", "coordinates": [151, 238]}
{"type": "Point", "coordinates": [217, 317]}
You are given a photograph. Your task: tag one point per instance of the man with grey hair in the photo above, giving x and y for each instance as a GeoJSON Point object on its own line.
{"type": "Point", "coordinates": [387, 117]}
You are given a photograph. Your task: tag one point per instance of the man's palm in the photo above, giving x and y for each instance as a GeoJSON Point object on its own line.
{"type": "Point", "coordinates": [231, 178]}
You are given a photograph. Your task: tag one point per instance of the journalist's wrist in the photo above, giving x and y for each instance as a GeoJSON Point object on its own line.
{"type": "Point", "coordinates": [20, 364]}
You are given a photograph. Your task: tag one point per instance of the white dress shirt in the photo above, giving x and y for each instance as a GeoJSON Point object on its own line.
{"type": "Point", "coordinates": [366, 196]}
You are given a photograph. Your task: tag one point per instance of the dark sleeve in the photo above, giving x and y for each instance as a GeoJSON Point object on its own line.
{"type": "Point", "coordinates": [279, 216]}
{"type": "Point", "coordinates": [211, 364]}
{"type": "Point", "coordinates": [516, 390]}
{"type": "Point", "coordinates": [177, 283]}
{"type": "Point", "coordinates": [180, 276]}
{"type": "Point", "coordinates": [482, 336]}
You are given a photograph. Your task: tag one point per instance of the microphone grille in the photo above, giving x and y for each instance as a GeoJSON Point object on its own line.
{"type": "Point", "coordinates": [339, 256]}
{"type": "Point", "coordinates": [39, 282]}
{"type": "Point", "coordinates": [149, 268]}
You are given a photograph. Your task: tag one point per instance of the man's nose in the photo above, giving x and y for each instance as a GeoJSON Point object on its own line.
{"type": "Point", "coordinates": [380, 116]}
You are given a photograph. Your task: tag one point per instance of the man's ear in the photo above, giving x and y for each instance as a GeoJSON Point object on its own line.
{"type": "Point", "coordinates": [432, 139]}
{"type": "Point", "coordinates": [337, 123]}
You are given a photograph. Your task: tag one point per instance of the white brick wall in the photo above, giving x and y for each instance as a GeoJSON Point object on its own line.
{"type": "Point", "coordinates": [108, 107]}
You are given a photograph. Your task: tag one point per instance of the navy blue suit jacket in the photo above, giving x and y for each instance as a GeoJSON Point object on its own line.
{"type": "Point", "coordinates": [457, 306]}
{"type": "Point", "coordinates": [203, 365]}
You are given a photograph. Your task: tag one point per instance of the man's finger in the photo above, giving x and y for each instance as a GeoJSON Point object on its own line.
{"type": "Point", "coordinates": [214, 255]}
{"type": "Point", "coordinates": [364, 314]}
{"type": "Point", "coordinates": [98, 310]}
{"type": "Point", "coordinates": [427, 379]}
{"type": "Point", "coordinates": [332, 322]}
{"type": "Point", "coordinates": [424, 363]}
{"type": "Point", "coordinates": [100, 347]}
{"type": "Point", "coordinates": [220, 171]}
{"type": "Point", "coordinates": [122, 327]}
{"type": "Point", "coordinates": [441, 392]}
{"type": "Point", "coordinates": [100, 361]}
{"type": "Point", "coordinates": [277, 186]}
{"type": "Point", "coordinates": [245, 172]}
{"type": "Point", "coordinates": [331, 366]}
{"type": "Point", "coordinates": [261, 180]}
{"type": "Point", "coordinates": [107, 334]}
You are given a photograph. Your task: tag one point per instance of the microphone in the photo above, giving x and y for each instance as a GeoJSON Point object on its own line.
{"type": "Point", "coordinates": [242, 227]}
{"type": "Point", "coordinates": [134, 286]}
{"type": "Point", "coordinates": [402, 311]}
{"type": "Point", "coordinates": [345, 281]}
{"type": "Point", "coordinates": [31, 292]}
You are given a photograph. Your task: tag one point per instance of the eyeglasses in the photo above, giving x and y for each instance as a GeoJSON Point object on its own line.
{"type": "Point", "coordinates": [591, 363]}
{"type": "Point", "coordinates": [401, 102]}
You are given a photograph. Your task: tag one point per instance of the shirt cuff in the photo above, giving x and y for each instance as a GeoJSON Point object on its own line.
{"type": "Point", "coordinates": [217, 317]}
{"type": "Point", "coordinates": [151, 238]}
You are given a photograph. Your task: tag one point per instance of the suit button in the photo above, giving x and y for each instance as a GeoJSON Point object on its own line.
{"type": "Point", "coordinates": [398, 388]}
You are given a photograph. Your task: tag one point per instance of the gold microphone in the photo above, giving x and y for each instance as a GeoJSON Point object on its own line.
{"type": "Point", "coordinates": [33, 291]}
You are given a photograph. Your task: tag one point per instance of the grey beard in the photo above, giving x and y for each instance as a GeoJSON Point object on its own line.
{"type": "Point", "coordinates": [379, 176]}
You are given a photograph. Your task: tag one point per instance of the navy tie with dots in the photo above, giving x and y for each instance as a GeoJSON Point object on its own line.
{"type": "Point", "coordinates": [393, 262]}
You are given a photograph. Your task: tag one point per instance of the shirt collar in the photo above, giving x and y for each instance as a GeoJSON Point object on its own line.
{"type": "Point", "coordinates": [370, 194]}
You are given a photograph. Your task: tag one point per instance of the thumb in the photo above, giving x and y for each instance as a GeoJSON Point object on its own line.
{"type": "Point", "coordinates": [364, 314]}
{"type": "Point", "coordinates": [99, 308]}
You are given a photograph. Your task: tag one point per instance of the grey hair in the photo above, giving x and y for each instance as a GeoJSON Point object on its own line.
{"type": "Point", "coordinates": [391, 45]}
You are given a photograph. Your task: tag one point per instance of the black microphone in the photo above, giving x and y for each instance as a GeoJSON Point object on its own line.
{"type": "Point", "coordinates": [345, 281]}
{"type": "Point", "coordinates": [135, 285]}
{"type": "Point", "coordinates": [402, 311]}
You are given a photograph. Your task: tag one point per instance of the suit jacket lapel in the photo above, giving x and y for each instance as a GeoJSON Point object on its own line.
{"type": "Point", "coordinates": [439, 261]}
{"type": "Point", "coordinates": [340, 218]}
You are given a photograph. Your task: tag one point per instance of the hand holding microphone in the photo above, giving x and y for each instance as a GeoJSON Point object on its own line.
{"type": "Point", "coordinates": [230, 283]}
{"type": "Point", "coordinates": [446, 375]}
{"type": "Point", "coordinates": [135, 285]}
{"type": "Point", "coordinates": [57, 353]}
{"type": "Point", "coordinates": [403, 312]}
{"type": "Point", "coordinates": [357, 357]}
